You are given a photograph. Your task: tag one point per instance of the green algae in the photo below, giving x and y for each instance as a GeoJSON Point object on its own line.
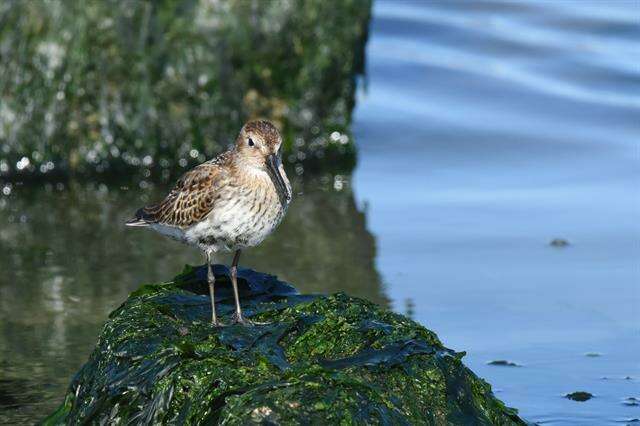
{"type": "Point", "coordinates": [318, 360]}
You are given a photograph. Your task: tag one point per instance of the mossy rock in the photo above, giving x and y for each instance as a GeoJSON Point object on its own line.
{"type": "Point", "coordinates": [319, 360]}
{"type": "Point", "coordinates": [116, 86]}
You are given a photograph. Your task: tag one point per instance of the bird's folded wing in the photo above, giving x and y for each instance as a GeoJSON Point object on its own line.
{"type": "Point", "coordinates": [190, 200]}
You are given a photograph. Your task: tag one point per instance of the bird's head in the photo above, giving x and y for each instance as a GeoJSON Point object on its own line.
{"type": "Point", "coordinates": [258, 146]}
{"type": "Point", "coordinates": [258, 139]}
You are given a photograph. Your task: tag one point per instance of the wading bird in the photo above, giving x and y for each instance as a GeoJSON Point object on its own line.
{"type": "Point", "coordinates": [228, 203]}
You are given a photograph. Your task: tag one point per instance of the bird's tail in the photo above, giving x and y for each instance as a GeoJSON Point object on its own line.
{"type": "Point", "coordinates": [136, 222]}
{"type": "Point", "coordinates": [140, 219]}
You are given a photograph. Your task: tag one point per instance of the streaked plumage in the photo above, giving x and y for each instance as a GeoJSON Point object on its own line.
{"type": "Point", "coordinates": [229, 203]}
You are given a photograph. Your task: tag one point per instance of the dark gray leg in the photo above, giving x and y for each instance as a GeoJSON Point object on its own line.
{"type": "Point", "coordinates": [234, 282]}
{"type": "Point", "coordinates": [211, 279]}
{"type": "Point", "coordinates": [238, 318]}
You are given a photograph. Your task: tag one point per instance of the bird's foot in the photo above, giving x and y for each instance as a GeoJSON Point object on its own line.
{"type": "Point", "coordinates": [240, 319]}
{"type": "Point", "coordinates": [217, 323]}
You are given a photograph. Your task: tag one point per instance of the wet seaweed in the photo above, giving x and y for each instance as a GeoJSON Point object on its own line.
{"type": "Point", "coordinates": [317, 360]}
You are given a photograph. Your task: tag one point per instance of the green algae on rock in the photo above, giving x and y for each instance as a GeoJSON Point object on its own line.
{"type": "Point", "coordinates": [318, 360]}
{"type": "Point", "coordinates": [95, 87]}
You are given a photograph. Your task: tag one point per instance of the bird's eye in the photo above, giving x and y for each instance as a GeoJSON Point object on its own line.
{"type": "Point", "coordinates": [250, 142]}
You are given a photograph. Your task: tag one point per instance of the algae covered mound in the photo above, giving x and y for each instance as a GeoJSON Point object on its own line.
{"type": "Point", "coordinates": [318, 360]}
{"type": "Point", "coordinates": [97, 86]}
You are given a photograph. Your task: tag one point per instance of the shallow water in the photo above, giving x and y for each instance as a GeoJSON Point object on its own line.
{"type": "Point", "coordinates": [485, 130]}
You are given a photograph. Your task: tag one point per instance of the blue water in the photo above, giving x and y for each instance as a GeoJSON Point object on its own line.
{"type": "Point", "coordinates": [485, 130]}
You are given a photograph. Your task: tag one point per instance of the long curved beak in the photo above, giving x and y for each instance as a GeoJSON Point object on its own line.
{"type": "Point", "coordinates": [273, 163]}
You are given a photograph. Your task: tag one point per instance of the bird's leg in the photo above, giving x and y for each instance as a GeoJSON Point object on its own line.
{"type": "Point", "coordinates": [238, 318]}
{"type": "Point", "coordinates": [234, 281]}
{"type": "Point", "coordinates": [211, 279]}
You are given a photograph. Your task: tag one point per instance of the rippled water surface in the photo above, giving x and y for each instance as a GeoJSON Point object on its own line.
{"type": "Point", "coordinates": [485, 129]}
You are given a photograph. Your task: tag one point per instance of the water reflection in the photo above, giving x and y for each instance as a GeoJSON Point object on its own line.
{"type": "Point", "coordinates": [68, 261]}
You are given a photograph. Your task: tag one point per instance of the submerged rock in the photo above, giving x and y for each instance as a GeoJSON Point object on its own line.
{"type": "Point", "coordinates": [559, 242]}
{"type": "Point", "coordinates": [503, 363]}
{"type": "Point", "coordinates": [579, 396]}
{"type": "Point", "coordinates": [631, 401]}
{"type": "Point", "coordinates": [320, 359]}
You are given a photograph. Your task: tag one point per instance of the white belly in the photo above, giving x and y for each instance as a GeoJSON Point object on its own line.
{"type": "Point", "coordinates": [236, 224]}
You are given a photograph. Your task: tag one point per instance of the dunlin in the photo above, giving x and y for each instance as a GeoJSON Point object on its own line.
{"type": "Point", "coordinates": [228, 203]}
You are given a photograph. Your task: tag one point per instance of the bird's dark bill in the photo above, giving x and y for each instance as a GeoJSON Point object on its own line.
{"type": "Point", "coordinates": [273, 162]}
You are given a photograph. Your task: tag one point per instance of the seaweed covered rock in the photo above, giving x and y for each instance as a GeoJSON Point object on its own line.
{"type": "Point", "coordinates": [104, 85]}
{"type": "Point", "coordinates": [319, 360]}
